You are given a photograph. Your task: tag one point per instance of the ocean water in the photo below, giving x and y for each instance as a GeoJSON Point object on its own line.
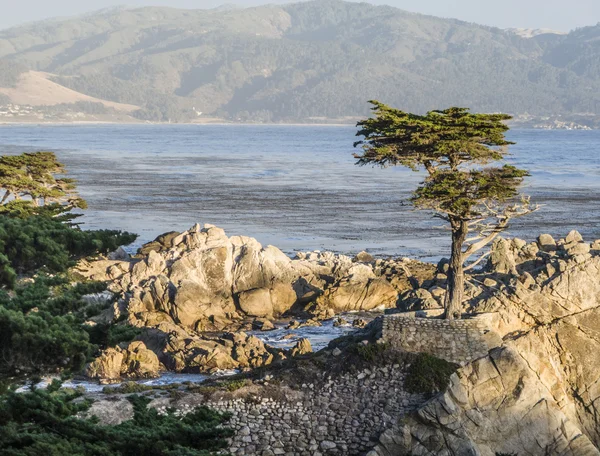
{"type": "Point", "coordinates": [295, 187]}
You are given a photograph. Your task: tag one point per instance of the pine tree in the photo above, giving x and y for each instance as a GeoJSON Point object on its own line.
{"type": "Point", "coordinates": [453, 146]}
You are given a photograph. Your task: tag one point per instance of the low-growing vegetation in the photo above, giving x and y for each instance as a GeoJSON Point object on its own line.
{"type": "Point", "coordinates": [52, 422]}
{"type": "Point", "coordinates": [41, 327]}
{"type": "Point", "coordinates": [428, 374]}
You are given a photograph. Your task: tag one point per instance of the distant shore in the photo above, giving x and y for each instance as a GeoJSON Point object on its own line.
{"type": "Point", "coordinates": [516, 125]}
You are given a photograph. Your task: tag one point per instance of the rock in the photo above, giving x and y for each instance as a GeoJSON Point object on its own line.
{"type": "Point", "coordinates": [139, 362]}
{"type": "Point", "coordinates": [546, 243]}
{"type": "Point", "coordinates": [359, 323]}
{"type": "Point", "coordinates": [579, 248]}
{"type": "Point", "coordinates": [364, 257]}
{"type": "Point", "coordinates": [161, 243]}
{"type": "Point", "coordinates": [119, 255]}
{"type": "Point", "coordinates": [443, 265]}
{"type": "Point", "coordinates": [336, 352]}
{"type": "Point", "coordinates": [596, 245]}
{"type": "Point", "coordinates": [502, 260]}
{"type": "Point", "coordinates": [256, 303]}
{"type": "Point", "coordinates": [111, 412]}
{"type": "Point", "coordinates": [490, 283]}
{"type": "Point", "coordinates": [518, 244]}
{"type": "Point", "coordinates": [133, 361]}
{"type": "Point", "coordinates": [262, 324]}
{"type": "Point", "coordinates": [107, 366]}
{"type": "Point", "coordinates": [340, 322]}
{"type": "Point", "coordinates": [293, 325]}
{"type": "Point", "coordinates": [303, 347]}
{"type": "Point", "coordinates": [327, 445]}
{"type": "Point", "coordinates": [283, 298]}
{"type": "Point", "coordinates": [573, 237]}
{"type": "Point", "coordinates": [360, 291]}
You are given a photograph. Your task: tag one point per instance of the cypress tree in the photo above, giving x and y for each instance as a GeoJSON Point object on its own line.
{"type": "Point", "coordinates": [455, 148]}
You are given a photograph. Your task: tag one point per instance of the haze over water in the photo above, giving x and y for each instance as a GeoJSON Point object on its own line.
{"type": "Point", "coordinates": [295, 187]}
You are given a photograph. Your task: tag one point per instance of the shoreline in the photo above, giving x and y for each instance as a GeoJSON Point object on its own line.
{"type": "Point", "coordinates": [516, 126]}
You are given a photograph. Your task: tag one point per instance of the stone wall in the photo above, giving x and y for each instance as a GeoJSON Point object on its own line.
{"type": "Point", "coordinates": [345, 415]}
{"type": "Point", "coordinates": [457, 341]}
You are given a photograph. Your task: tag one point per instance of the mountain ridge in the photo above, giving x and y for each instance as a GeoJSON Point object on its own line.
{"type": "Point", "coordinates": [301, 61]}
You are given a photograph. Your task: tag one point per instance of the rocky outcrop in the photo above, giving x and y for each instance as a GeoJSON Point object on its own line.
{"type": "Point", "coordinates": [184, 285]}
{"type": "Point", "coordinates": [538, 391]}
{"type": "Point", "coordinates": [131, 361]}
{"type": "Point", "coordinates": [203, 280]}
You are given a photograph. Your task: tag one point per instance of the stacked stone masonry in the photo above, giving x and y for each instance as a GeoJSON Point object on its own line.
{"type": "Point", "coordinates": [343, 416]}
{"type": "Point", "coordinates": [457, 341]}
{"type": "Point", "coordinates": [347, 414]}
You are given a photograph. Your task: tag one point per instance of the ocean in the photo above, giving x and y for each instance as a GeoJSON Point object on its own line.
{"type": "Point", "coordinates": [296, 187]}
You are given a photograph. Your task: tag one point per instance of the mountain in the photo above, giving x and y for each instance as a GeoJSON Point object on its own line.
{"type": "Point", "coordinates": [306, 62]}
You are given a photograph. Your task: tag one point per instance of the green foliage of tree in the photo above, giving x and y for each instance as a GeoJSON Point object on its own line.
{"type": "Point", "coordinates": [44, 243]}
{"type": "Point", "coordinates": [41, 326]}
{"type": "Point", "coordinates": [112, 335]}
{"type": "Point", "coordinates": [32, 177]}
{"type": "Point", "coordinates": [453, 146]}
{"type": "Point", "coordinates": [50, 422]}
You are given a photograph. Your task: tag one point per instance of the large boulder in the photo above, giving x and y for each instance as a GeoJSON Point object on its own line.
{"type": "Point", "coordinates": [131, 361]}
{"type": "Point", "coordinates": [256, 303]}
{"type": "Point", "coordinates": [107, 366]}
{"type": "Point", "coordinates": [359, 290]}
{"type": "Point", "coordinates": [139, 362]}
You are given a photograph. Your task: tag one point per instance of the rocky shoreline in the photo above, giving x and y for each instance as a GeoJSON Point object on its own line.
{"type": "Point", "coordinates": [526, 356]}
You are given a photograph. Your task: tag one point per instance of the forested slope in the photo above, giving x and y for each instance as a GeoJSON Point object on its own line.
{"type": "Point", "coordinates": [307, 60]}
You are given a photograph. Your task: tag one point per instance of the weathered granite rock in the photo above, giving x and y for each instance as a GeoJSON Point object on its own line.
{"type": "Point", "coordinates": [502, 259]}
{"type": "Point", "coordinates": [537, 391]}
{"type": "Point", "coordinates": [132, 361]}
{"type": "Point", "coordinates": [203, 279]}
{"type": "Point", "coordinates": [107, 366]}
{"type": "Point", "coordinates": [302, 347]}
{"type": "Point", "coordinates": [139, 362]}
{"type": "Point", "coordinates": [546, 243]}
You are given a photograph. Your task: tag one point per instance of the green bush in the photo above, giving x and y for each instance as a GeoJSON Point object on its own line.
{"type": "Point", "coordinates": [371, 352]}
{"type": "Point", "coordinates": [428, 374]}
{"type": "Point", "coordinates": [46, 422]}
{"type": "Point", "coordinates": [234, 385]}
{"type": "Point", "coordinates": [41, 326]}
{"type": "Point", "coordinates": [111, 335]}
{"type": "Point", "coordinates": [46, 244]}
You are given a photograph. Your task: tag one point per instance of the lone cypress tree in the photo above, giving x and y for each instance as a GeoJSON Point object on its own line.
{"type": "Point", "coordinates": [453, 146]}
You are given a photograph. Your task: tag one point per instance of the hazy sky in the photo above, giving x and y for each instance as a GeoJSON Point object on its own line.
{"type": "Point", "coordinates": [555, 14]}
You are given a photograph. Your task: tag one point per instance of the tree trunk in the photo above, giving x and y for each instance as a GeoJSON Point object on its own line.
{"type": "Point", "coordinates": [456, 278]}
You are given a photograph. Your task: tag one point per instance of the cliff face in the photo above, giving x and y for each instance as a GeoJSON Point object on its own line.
{"type": "Point", "coordinates": [538, 391]}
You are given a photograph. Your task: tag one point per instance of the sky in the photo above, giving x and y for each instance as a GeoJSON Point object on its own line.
{"type": "Point", "coordinates": [562, 15]}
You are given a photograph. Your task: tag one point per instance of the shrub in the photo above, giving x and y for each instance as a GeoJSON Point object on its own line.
{"type": "Point", "coordinates": [42, 243]}
{"type": "Point", "coordinates": [46, 422]}
{"type": "Point", "coordinates": [111, 335]}
{"type": "Point", "coordinates": [371, 352]}
{"type": "Point", "coordinates": [428, 374]}
{"type": "Point", "coordinates": [41, 326]}
{"type": "Point", "coordinates": [234, 385]}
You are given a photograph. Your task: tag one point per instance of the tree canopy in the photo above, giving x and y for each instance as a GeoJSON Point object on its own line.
{"type": "Point", "coordinates": [455, 147]}
{"type": "Point", "coordinates": [31, 180]}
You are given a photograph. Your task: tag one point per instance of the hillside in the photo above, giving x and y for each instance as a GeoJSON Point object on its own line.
{"type": "Point", "coordinates": [306, 62]}
{"type": "Point", "coordinates": [35, 88]}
